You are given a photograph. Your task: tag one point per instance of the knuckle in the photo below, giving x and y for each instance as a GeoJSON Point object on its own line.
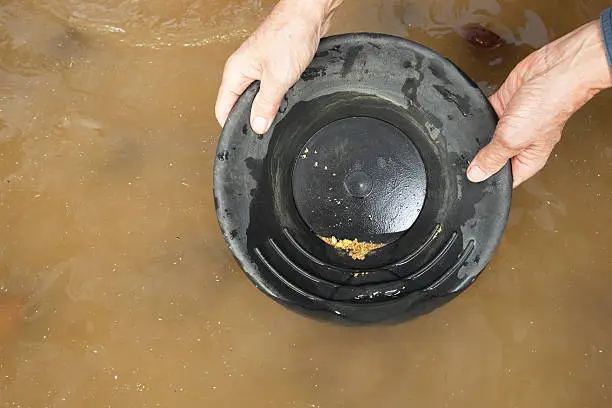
{"type": "Point", "coordinates": [505, 141]}
{"type": "Point", "coordinates": [490, 158]}
{"type": "Point", "coordinates": [280, 77]}
{"type": "Point", "coordinates": [232, 61]}
{"type": "Point", "coordinates": [556, 138]}
{"type": "Point", "coordinates": [495, 159]}
{"type": "Point", "coordinates": [283, 70]}
{"type": "Point", "coordinates": [498, 102]}
{"type": "Point", "coordinates": [549, 141]}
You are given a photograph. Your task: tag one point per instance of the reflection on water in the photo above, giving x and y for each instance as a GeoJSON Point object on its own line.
{"type": "Point", "coordinates": [116, 288]}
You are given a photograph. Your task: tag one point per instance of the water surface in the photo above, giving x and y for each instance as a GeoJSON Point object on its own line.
{"type": "Point", "coordinates": [116, 288]}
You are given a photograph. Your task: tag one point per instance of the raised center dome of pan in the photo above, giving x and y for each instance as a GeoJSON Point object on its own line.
{"type": "Point", "coordinates": [360, 178]}
{"type": "Point", "coordinates": [355, 205]}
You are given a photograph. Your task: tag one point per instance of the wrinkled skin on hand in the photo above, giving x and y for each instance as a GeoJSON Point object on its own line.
{"type": "Point", "coordinates": [533, 104]}
{"type": "Point", "coordinates": [538, 98]}
{"type": "Point", "coordinates": [276, 54]}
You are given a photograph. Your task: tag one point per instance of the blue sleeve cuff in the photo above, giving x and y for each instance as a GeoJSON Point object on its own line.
{"type": "Point", "coordinates": [606, 31]}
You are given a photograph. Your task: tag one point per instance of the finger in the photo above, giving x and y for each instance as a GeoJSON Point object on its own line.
{"type": "Point", "coordinates": [266, 103]}
{"type": "Point", "coordinates": [232, 86]}
{"type": "Point", "coordinates": [529, 162]}
{"type": "Point", "coordinates": [497, 103]}
{"type": "Point", "coordinates": [229, 92]}
{"type": "Point", "coordinates": [491, 158]}
{"type": "Point", "coordinates": [502, 97]}
{"type": "Point", "coordinates": [504, 94]}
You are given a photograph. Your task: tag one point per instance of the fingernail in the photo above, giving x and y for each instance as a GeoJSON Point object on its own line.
{"type": "Point", "coordinates": [475, 174]}
{"type": "Point", "coordinates": [260, 125]}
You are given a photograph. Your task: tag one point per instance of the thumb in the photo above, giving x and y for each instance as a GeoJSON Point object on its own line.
{"type": "Point", "coordinates": [491, 158]}
{"type": "Point", "coordinates": [266, 103]}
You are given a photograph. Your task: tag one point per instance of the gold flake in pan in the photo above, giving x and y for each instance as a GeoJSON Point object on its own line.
{"type": "Point", "coordinates": [356, 250]}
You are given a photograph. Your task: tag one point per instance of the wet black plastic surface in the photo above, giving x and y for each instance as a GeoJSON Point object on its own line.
{"type": "Point", "coordinates": [359, 178]}
{"type": "Point", "coordinates": [264, 186]}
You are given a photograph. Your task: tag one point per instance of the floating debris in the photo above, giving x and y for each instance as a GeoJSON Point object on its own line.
{"type": "Point", "coordinates": [480, 36]}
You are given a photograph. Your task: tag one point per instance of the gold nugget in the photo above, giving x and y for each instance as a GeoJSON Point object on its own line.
{"type": "Point", "coordinates": [356, 250]}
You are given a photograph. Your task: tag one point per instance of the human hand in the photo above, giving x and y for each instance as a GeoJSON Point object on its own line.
{"type": "Point", "coordinates": [276, 54]}
{"type": "Point", "coordinates": [538, 98]}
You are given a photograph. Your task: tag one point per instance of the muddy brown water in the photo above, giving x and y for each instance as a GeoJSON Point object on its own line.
{"type": "Point", "coordinates": [116, 288]}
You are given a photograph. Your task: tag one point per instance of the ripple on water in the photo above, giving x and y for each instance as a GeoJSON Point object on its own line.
{"type": "Point", "coordinates": [62, 26]}
{"type": "Point", "coordinates": [163, 24]}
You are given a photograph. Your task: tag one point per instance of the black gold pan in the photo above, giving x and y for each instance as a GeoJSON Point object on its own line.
{"type": "Point", "coordinates": [355, 207]}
